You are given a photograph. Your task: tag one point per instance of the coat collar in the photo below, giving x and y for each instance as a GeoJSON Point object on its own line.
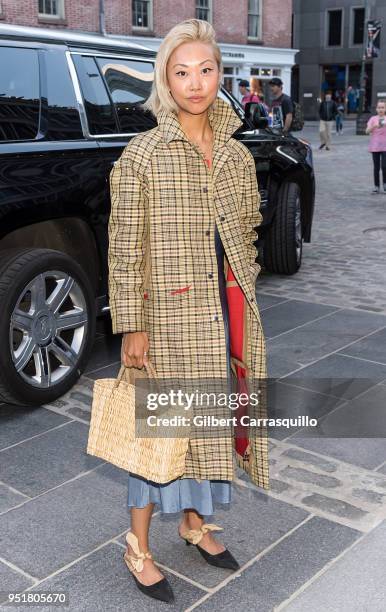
{"type": "Point", "coordinates": [222, 118]}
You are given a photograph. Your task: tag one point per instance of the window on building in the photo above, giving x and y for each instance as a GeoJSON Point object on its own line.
{"type": "Point", "coordinates": [358, 26]}
{"type": "Point", "coordinates": [334, 28]}
{"type": "Point", "coordinates": [141, 11]}
{"type": "Point", "coordinates": [254, 19]}
{"type": "Point", "coordinates": [204, 10]}
{"type": "Point", "coordinates": [51, 8]}
{"type": "Point", "coordinates": [19, 94]}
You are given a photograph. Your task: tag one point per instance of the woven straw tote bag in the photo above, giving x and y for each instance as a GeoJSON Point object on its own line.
{"type": "Point", "coordinates": [112, 433]}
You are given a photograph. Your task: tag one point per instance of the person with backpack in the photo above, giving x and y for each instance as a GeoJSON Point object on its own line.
{"type": "Point", "coordinates": [283, 102]}
{"type": "Point", "coordinates": [327, 114]}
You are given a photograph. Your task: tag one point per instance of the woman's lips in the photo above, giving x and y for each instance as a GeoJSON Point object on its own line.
{"type": "Point", "coordinates": [196, 99]}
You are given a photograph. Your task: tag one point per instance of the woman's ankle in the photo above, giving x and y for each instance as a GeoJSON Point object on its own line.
{"type": "Point", "coordinates": [194, 520]}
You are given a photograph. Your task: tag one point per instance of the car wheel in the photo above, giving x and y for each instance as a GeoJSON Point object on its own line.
{"type": "Point", "coordinates": [47, 325]}
{"type": "Point", "coordinates": [283, 246]}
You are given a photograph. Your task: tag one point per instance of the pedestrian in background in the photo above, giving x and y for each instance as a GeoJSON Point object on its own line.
{"type": "Point", "coordinates": [376, 127]}
{"type": "Point", "coordinates": [339, 115]}
{"type": "Point", "coordinates": [262, 101]}
{"type": "Point", "coordinates": [352, 99]}
{"type": "Point", "coordinates": [283, 101]}
{"type": "Point", "coordinates": [247, 95]}
{"type": "Point", "coordinates": [327, 114]}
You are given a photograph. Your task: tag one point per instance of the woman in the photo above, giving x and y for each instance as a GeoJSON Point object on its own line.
{"type": "Point", "coordinates": [376, 127]}
{"type": "Point", "coordinates": [256, 90]}
{"type": "Point", "coordinates": [192, 189]}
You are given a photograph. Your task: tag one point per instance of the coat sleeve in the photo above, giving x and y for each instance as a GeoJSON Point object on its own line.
{"type": "Point", "coordinates": [250, 214]}
{"type": "Point", "coordinates": [127, 229]}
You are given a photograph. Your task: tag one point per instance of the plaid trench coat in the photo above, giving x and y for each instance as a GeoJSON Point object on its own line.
{"type": "Point", "coordinates": [165, 198]}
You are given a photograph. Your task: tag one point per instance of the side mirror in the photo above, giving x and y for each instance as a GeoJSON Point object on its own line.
{"type": "Point", "coordinates": [257, 114]}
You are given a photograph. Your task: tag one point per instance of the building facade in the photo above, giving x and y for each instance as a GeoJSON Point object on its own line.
{"type": "Point", "coordinates": [254, 35]}
{"type": "Point", "coordinates": [331, 36]}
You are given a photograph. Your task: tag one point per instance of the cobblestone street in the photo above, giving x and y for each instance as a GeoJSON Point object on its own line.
{"type": "Point", "coordinates": [345, 264]}
{"type": "Point", "coordinates": [315, 541]}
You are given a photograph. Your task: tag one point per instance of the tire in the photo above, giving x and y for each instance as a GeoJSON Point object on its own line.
{"type": "Point", "coordinates": [283, 246]}
{"type": "Point", "coordinates": [42, 355]}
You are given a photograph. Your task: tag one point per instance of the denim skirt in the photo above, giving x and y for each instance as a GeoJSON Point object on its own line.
{"type": "Point", "coordinates": [183, 493]}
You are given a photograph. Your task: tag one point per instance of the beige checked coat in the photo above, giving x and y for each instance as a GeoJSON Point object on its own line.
{"type": "Point", "coordinates": [164, 198]}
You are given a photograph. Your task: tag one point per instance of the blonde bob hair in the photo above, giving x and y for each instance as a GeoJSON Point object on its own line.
{"type": "Point", "coordinates": [190, 30]}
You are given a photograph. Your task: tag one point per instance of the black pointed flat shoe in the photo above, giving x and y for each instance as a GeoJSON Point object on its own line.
{"type": "Point", "coordinates": [223, 559]}
{"type": "Point", "coordinates": [160, 590]}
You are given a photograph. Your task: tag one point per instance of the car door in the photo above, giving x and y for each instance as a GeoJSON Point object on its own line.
{"type": "Point", "coordinates": [112, 86]}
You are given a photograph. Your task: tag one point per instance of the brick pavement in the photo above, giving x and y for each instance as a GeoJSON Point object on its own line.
{"type": "Point", "coordinates": [345, 264]}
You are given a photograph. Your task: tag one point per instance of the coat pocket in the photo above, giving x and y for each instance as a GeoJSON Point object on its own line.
{"type": "Point", "coordinates": [172, 296]}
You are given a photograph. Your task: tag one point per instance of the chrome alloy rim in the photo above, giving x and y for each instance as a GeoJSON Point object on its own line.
{"type": "Point", "coordinates": [47, 328]}
{"type": "Point", "coordinates": [298, 230]}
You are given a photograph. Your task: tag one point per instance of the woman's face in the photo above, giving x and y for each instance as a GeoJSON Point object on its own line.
{"type": "Point", "coordinates": [193, 76]}
{"type": "Point", "coordinates": [381, 108]}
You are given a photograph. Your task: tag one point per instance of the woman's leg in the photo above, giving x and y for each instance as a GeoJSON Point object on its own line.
{"type": "Point", "coordinates": [193, 520]}
{"type": "Point", "coordinates": [377, 164]}
{"type": "Point", "coordinates": [383, 156]}
{"type": "Point", "coordinates": [140, 523]}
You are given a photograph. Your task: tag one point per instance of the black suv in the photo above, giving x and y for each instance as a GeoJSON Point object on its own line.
{"type": "Point", "coordinates": [68, 106]}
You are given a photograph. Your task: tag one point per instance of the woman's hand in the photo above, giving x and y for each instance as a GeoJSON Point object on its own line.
{"type": "Point", "coordinates": [135, 346]}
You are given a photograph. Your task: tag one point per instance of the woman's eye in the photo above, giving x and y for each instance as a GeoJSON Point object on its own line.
{"type": "Point", "coordinates": [183, 72]}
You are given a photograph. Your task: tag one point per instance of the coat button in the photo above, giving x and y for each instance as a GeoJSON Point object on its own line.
{"type": "Point", "coordinates": [210, 275]}
{"type": "Point", "coordinates": [222, 218]}
{"type": "Point", "coordinates": [215, 317]}
{"type": "Point", "coordinates": [207, 233]}
{"type": "Point", "coordinates": [205, 189]}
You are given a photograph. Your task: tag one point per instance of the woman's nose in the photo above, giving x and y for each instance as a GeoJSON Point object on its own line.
{"type": "Point", "coordinates": [195, 81]}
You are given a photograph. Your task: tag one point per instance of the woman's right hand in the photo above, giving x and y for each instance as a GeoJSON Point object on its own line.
{"type": "Point", "coordinates": [134, 347]}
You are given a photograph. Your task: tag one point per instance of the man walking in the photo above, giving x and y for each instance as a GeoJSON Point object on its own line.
{"type": "Point", "coordinates": [328, 111]}
{"type": "Point", "coordinates": [282, 102]}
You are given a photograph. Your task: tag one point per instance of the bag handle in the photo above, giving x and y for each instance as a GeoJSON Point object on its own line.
{"type": "Point", "coordinates": [149, 367]}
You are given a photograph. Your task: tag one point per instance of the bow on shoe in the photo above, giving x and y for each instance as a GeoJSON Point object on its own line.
{"type": "Point", "coordinates": [194, 536]}
{"type": "Point", "coordinates": [137, 561]}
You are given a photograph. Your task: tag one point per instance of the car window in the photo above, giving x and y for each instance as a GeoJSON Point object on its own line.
{"type": "Point", "coordinates": [129, 83]}
{"type": "Point", "coordinates": [19, 94]}
{"type": "Point", "coordinates": [100, 113]}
